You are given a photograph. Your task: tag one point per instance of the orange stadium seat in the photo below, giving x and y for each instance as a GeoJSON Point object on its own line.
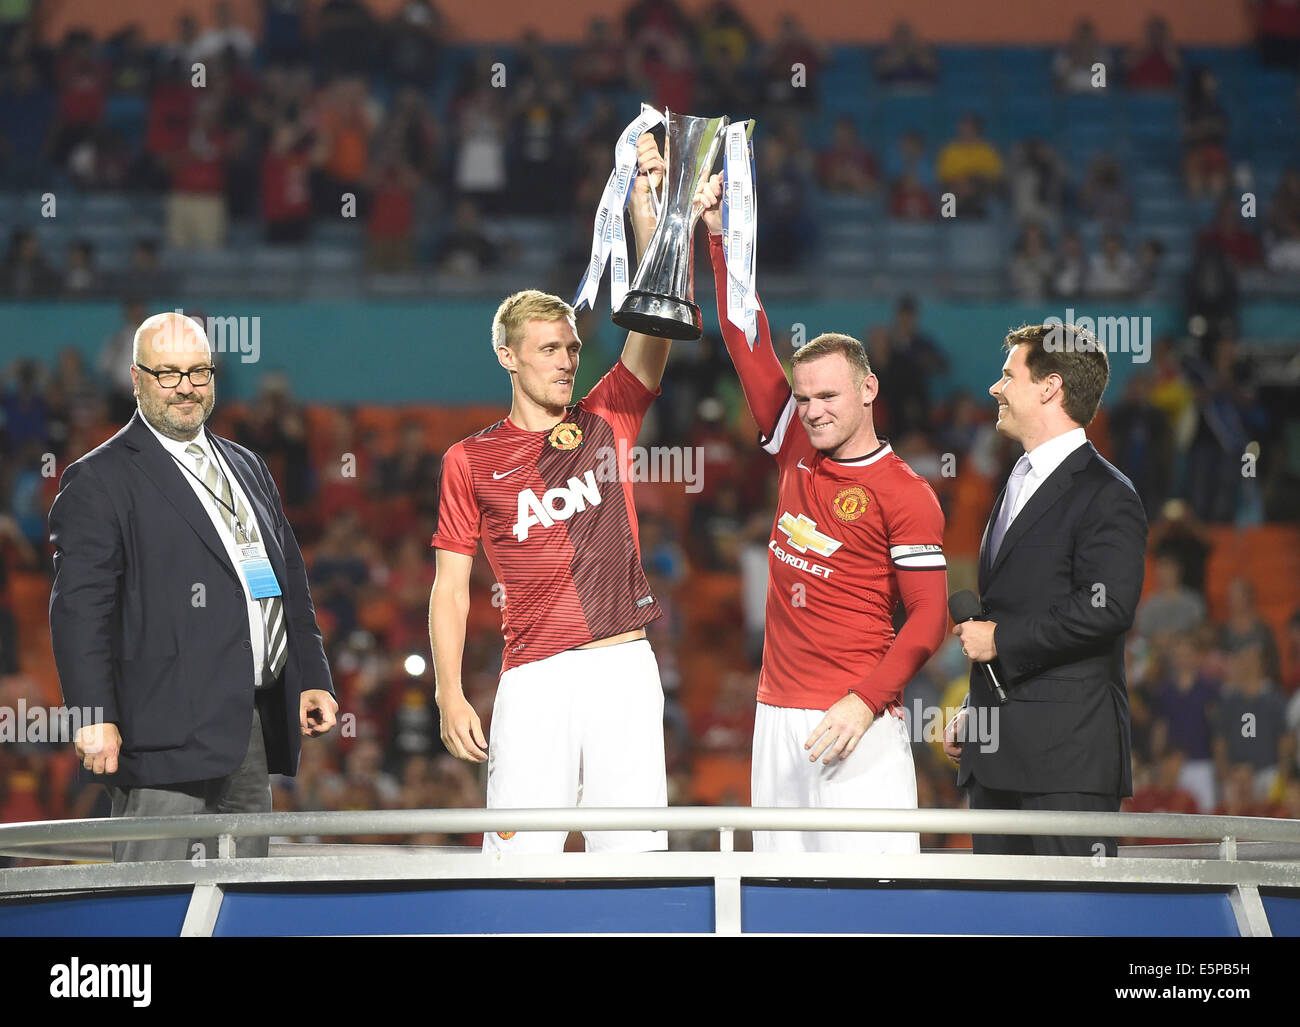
{"type": "Point", "coordinates": [455, 423]}
{"type": "Point", "coordinates": [720, 779]}
{"type": "Point", "coordinates": [30, 594]}
{"type": "Point", "coordinates": [322, 426]}
{"type": "Point", "coordinates": [665, 499]}
{"type": "Point", "coordinates": [1099, 435]}
{"type": "Point", "coordinates": [99, 433]}
{"type": "Point", "coordinates": [1148, 575]}
{"type": "Point", "coordinates": [1268, 555]}
{"type": "Point", "coordinates": [972, 498]}
{"type": "Point", "coordinates": [377, 613]}
{"type": "Point", "coordinates": [711, 602]}
{"type": "Point", "coordinates": [376, 418]}
{"type": "Point", "coordinates": [380, 424]}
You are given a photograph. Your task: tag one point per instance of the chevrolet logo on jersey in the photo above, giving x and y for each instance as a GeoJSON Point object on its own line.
{"type": "Point", "coordinates": [803, 535]}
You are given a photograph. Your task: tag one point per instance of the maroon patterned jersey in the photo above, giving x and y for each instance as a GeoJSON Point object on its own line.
{"type": "Point", "coordinates": [554, 512]}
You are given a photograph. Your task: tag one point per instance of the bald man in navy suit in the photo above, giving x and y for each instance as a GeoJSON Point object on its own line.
{"type": "Point", "coordinates": [180, 608]}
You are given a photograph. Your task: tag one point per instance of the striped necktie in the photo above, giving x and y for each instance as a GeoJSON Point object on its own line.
{"type": "Point", "coordinates": [277, 641]}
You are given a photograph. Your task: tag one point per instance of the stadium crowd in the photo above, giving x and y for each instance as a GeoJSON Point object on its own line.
{"type": "Point", "coordinates": [273, 129]}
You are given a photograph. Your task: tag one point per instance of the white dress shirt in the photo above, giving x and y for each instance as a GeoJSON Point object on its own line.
{"type": "Point", "coordinates": [1043, 460]}
{"type": "Point", "coordinates": [256, 627]}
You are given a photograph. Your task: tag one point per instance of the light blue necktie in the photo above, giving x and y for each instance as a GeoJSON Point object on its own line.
{"type": "Point", "coordinates": [1014, 485]}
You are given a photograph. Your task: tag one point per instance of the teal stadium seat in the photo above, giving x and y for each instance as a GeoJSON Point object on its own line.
{"type": "Point", "coordinates": [973, 247]}
{"type": "Point", "coordinates": [323, 257]}
{"type": "Point", "coordinates": [911, 246]}
{"type": "Point", "coordinates": [126, 116]}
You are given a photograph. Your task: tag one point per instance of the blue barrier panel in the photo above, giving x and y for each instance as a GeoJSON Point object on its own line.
{"type": "Point", "coordinates": [135, 915]}
{"type": "Point", "coordinates": [773, 907]}
{"type": "Point", "coordinates": [1283, 912]}
{"type": "Point", "coordinates": [471, 908]}
{"type": "Point", "coordinates": [437, 351]}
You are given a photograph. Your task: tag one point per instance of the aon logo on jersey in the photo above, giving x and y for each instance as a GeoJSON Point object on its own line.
{"type": "Point", "coordinates": [558, 504]}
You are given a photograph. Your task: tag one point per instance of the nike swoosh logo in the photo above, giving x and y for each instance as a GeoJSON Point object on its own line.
{"type": "Point", "coordinates": [498, 475]}
{"type": "Point", "coordinates": [804, 466]}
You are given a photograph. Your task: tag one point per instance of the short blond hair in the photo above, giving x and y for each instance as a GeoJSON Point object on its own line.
{"type": "Point", "coordinates": [834, 342]}
{"type": "Point", "coordinates": [517, 310]}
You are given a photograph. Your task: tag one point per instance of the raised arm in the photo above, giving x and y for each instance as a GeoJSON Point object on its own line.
{"type": "Point", "coordinates": [762, 378]}
{"type": "Point", "coordinates": [644, 355]}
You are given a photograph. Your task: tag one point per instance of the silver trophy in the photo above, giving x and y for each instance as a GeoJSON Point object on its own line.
{"type": "Point", "coordinates": [661, 301]}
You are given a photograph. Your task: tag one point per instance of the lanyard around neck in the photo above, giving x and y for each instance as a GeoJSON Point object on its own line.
{"type": "Point", "coordinates": [243, 533]}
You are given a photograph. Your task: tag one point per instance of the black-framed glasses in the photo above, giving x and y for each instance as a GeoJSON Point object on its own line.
{"type": "Point", "coordinates": [198, 376]}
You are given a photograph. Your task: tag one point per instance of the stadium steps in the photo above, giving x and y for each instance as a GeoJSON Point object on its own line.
{"type": "Point", "coordinates": [1032, 112]}
{"type": "Point", "coordinates": [973, 247]}
{"type": "Point", "coordinates": [911, 246]}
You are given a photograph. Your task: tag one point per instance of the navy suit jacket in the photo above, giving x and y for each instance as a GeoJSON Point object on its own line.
{"type": "Point", "coordinates": [1063, 591]}
{"type": "Point", "coordinates": [149, 620]}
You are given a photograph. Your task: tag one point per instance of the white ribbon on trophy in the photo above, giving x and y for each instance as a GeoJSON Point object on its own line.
{"type": "Point", "coordinates": [739, 231]}
{"type": "Point", "coordinates": [608, 241]}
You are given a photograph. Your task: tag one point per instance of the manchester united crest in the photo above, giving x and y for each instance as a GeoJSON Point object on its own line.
{"type": "Point", "coordinates": [566, 436]}
{"type": "Point", "coordinates": [851, 503]}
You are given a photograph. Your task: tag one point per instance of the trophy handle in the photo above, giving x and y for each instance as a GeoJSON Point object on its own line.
{"type": "Point", "coordinates": [661, 301]}
{"type": "Point", "coordinates": [657, 196]}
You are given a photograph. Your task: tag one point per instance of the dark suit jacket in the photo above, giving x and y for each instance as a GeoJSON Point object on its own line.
{"type": "Point", "coordinates": [1063, 591]}
{"type": "Point", "coordinates": [149, 620]}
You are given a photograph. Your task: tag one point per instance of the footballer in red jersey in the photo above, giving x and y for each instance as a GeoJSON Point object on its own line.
{"type": "Point", "coordinates": [578, 715]}
{"type": "Point", "coordinates": [855, 531]}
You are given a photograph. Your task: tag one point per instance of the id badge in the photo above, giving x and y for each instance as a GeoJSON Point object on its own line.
{"type": "Point", "coordinates": [257, 571]}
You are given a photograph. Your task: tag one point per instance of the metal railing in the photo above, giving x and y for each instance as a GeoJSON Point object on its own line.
{"type": "Point", "coordinates": [725, 820]}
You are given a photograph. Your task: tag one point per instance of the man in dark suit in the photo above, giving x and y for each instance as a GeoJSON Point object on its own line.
{"type": "Point", "coordinates": [180, 607]}
{"type": "Point", "coordinates": [1060, 574]}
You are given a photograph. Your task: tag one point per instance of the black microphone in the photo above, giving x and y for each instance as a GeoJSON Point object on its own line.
{"type": "Point", "coordinates": [963, 606]}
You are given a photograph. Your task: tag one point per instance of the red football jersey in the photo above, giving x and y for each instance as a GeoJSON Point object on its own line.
{"type": "Point", "coordinates": [844, 532]}
{"type": "Point", "coordinates": [850, 538]}
{"type": "Point", "coordinates": [555, 515]}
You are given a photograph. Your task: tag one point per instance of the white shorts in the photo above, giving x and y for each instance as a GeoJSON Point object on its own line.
{"type": "Point", "coordinates": [879, 774]}
{"type": "Point", "coordinates": [582, 728]}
